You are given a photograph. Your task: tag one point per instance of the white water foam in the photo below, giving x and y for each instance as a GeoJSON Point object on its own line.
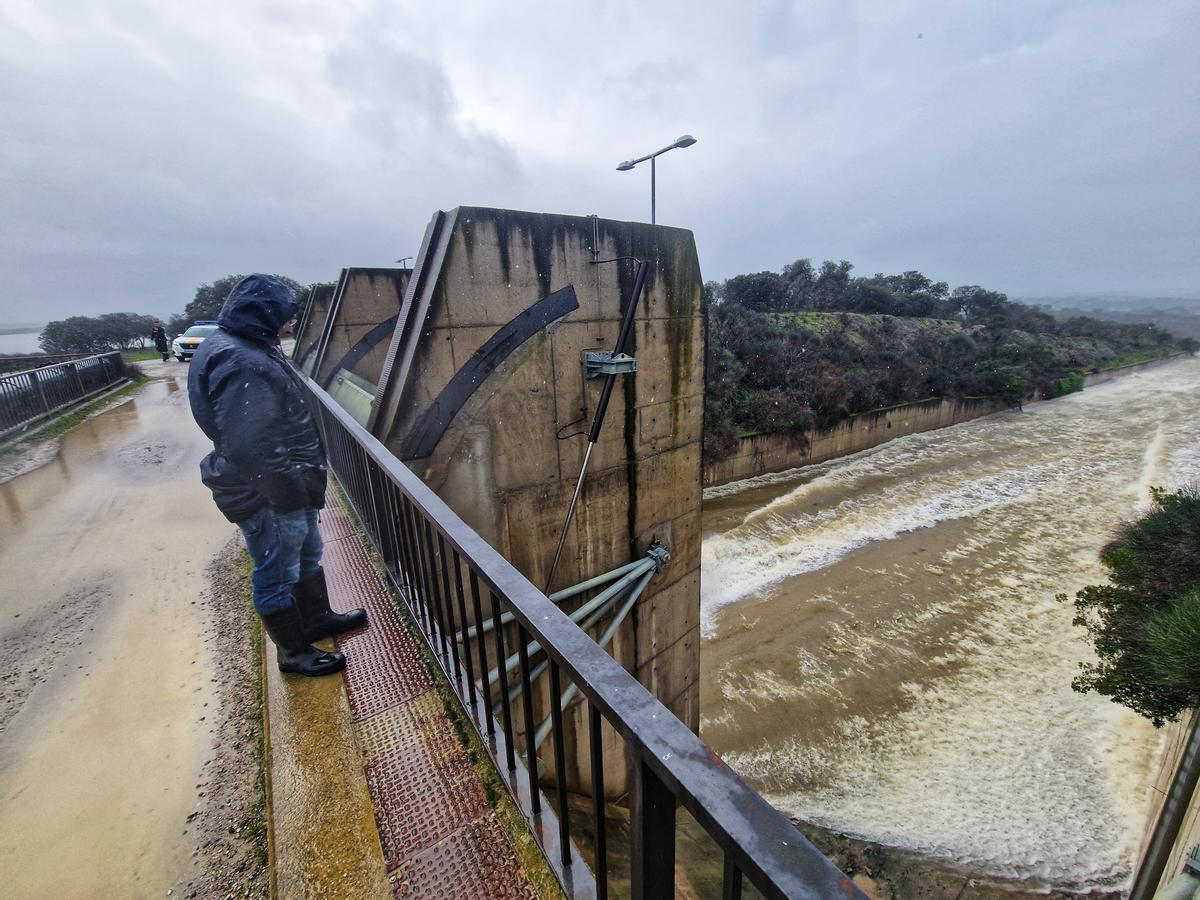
{"type": "Point", "coordinates": [772, 546]}
{"type": "Point", "coordinates": [1010, 781]}
{"type": "Point", "coordinates": [994, 761]}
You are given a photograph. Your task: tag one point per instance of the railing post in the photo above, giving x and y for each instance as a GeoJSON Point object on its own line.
{"type": "Point", "coordinates": [652, 835]}
{"type": "Point", "coordinates": [78, 380]}
{"type": "Point", "coordinates": [732, 881]}
{"type": "Point", "coordinates": [37, 383]}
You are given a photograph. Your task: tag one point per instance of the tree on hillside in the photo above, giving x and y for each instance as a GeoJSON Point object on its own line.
{"type": "Point", "coordinates": [74, 334]}
{"type": "Point", "coordinates": [801, 278]}
{"type": "Point", "coordinates": [909, 294]}
{"type": "Point", "coordinates": [1145, 622]}
{"type": "Point", "coordinates": [980, 305]}
{"type": "Point", "coordinates": [96, 334]}
{"type": "Point", "coordinates": [762, 291]}
{"type": "Point", "coordinates": [832, 282]}
{"type": "Point", "coordinates": [870, 342]}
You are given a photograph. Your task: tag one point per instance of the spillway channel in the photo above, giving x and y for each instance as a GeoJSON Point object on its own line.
{"type": "Point", "coordinates": [883, 652]}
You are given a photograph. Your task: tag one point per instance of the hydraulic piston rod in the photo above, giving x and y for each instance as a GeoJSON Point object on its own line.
{"type": "Point", "coordinates": [601, 409]}
{"type": "Point", "coordinates": [565, 594]}
{"type": "Point", "coordinates": [572, 689]}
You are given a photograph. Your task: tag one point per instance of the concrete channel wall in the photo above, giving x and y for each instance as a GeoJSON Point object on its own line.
{"type": "Point", "coordinates": [765, 453]}
{"type": "Point", "coordinates": [1176, 736]}
{"type": "Point", "coordinates": [1109, 374]}
{"type": "Point", "coordinates": [778, 452]}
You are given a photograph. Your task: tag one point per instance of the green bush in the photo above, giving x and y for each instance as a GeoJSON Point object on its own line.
{"type": "Point", "coordinates": [1173, 638]}
{"type": "Point", "coordinates": [1060, 387]}
{"type": "Point", "coordinates": [1145, 623]}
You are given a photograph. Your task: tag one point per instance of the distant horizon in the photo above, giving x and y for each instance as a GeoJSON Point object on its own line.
{"type": "Point", "coordinates": [1131, 294]}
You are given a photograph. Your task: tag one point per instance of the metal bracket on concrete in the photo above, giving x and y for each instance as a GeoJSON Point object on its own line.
{"type": "Point", "coordinates": [660, 553]}
{"type": "Point", "coordinates": [598, 363]}
{"type": "Point", "coordinates": [1191, 865]}
{"type": "Point", "coordinates": [1185, 885]}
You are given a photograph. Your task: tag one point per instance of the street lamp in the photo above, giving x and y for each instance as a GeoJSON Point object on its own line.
{"type": "Point", "coordinates": [683, 141]}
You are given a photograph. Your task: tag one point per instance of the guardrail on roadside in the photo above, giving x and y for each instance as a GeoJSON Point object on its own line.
{"type": "Point", "coordinates": [450, 578]}
{"type": "Point", "coordinates": [33, 395]}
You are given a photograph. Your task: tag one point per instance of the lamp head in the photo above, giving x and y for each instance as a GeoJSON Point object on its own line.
{"type": "Point", "coordinates": [625, 166]}
{"type": "Point", "coordinates": [685, 140]}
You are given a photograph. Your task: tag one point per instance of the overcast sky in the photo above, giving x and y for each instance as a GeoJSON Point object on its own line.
{"type": "Point", "coordinates": [1032, 147]}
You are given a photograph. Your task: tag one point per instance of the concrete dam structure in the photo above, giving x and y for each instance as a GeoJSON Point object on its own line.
{"type": "Point", "coordinates": [480, 386]}
{"type": "Point", "coordinates": [346, 332]}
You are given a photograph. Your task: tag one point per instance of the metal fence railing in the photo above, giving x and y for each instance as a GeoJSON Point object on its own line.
{"type": "Point", "coordinates": [25, 361]}
{"type": "Point", "coordinates": [450, 578]}
{"type": "Point", "coordinates": [35, 394]}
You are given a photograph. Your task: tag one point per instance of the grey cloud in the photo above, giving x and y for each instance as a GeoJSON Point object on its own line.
{"type": "Point", "coordinates": [1030, 147]}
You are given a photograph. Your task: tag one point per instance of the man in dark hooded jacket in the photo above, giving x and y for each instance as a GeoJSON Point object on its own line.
{"type": "Point", "coordinates": [267, 469]}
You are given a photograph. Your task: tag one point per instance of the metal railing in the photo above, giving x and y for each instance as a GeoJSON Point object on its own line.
{"type": "Point", "coordinates": [24, 361]}
{"type": "Point", "coordinates": [451, 579]}
{"type": "Point", "coordinates": [30, 396]}
{"type": "Point", "coordinates": [1171, 816]}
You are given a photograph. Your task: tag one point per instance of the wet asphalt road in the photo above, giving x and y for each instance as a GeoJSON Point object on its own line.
{"type": "Point", "coordinates": [107, 694]}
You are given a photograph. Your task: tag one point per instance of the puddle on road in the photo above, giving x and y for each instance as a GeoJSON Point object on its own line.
{"type": "Point", "coordinates": [105, 725]}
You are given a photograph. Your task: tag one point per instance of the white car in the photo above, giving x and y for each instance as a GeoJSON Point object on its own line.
{"type": "Point", "coordinates": [185, 345]}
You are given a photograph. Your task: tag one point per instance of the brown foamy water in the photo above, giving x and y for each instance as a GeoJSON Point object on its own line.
{"type": "Point", "coordinates": [883, 652]}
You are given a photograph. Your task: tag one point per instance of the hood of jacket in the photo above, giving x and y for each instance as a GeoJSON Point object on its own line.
{"type": "Point", "coordinates": [256, 308]}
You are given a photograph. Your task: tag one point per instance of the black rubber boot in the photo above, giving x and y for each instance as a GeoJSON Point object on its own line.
{"type": "Point", "coordinates": [312, 599]}
{"type": "Point", "coordinates": [294, 652]}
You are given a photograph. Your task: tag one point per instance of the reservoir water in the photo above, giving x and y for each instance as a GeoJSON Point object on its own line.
{"type": "Point", "coordinates": [20, 342]}
{"type": "Point", "coordinates": [883, 652]}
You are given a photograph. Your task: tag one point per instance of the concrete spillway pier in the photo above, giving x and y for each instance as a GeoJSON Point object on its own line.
{"type": "Point", "coordinates": [483, 393]}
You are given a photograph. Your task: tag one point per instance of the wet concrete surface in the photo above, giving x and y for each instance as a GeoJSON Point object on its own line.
{"type": "Point", "coordinates": [326, 842]}
{"type": "Point", "coordinates": [107, 695]}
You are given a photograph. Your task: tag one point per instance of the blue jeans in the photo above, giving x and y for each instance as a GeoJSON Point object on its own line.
{"type": "Point", "coordinates": [285, 547]}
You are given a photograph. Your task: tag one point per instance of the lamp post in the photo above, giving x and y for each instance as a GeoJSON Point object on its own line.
{"type": "Point", "coordinates": [683, 141]}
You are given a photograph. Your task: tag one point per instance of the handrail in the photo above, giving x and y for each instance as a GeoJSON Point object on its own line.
{"type": "Point", "coordinates": [15, 362]}
{"type": "Point", "coordinates": [35, 394]}
{"type": "Point", "coordinates": [1170, 817]}
{"type": "Point", "coordinates": [670, 763]}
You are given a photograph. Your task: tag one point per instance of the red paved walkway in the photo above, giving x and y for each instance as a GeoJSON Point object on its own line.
{"type": "Point", "coordinates": [440, 836]}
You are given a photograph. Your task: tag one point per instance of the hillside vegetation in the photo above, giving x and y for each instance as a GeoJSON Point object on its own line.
{"type": "Point", "coordinates": [804, 348]}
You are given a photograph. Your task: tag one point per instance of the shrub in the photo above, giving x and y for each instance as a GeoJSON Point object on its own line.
{"type": "Point", "coordinates": [1173, 639]}
{"type": "Point", "coordinates": [1060, 387]}
{"type": "Point", "coordinates": [1145, 623]}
